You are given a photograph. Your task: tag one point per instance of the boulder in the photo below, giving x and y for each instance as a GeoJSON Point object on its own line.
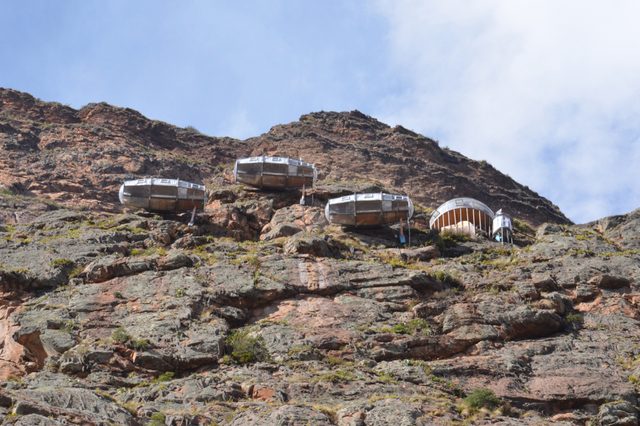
{"type": "Point", "coordinates": [586, 293]}
{"type": "Point", "coordinates": [280, 230]}
{"type": "Point", "coordinates": [609, 282]}
{"type": "Point", "coordinates": [174, 260]}
{"type": "Point", "coordinates": [57, 341]}
{"type": "Point", "coordinates": [286, 220]}
{"type": "Point", "coordinates": [527, 323]}
{"type": "Point", "coordinates": [305, 243]}
{"type": "Point", "coordinates": [110, 267]}
{"type": "Point", "coordinates": [544, 282]}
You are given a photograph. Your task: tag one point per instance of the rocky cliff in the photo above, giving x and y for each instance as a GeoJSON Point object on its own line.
{"type": "Point", "coordinates": [262, 313]}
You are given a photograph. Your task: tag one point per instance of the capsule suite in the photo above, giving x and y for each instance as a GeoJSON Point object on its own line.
{"type": "Point", "coordinates": [372, 209]}
{"type": "Point", "coordinates": [162, 195]}
{"type": "Point", "coordinates": [275, 173]}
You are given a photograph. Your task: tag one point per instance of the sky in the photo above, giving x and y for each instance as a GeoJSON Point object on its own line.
{"type": "Point", "coordinates": [547, 91]}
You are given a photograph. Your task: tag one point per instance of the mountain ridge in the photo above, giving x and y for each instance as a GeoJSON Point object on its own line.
{"type": "Point", "coordinates": [344, 145]}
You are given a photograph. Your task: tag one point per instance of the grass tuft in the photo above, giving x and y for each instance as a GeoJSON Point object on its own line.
{"type": "Point", "coordinates": [246, 349]}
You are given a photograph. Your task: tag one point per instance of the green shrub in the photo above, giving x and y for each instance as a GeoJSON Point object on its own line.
{"type": "Point", "coordinates": [574, 318]}
{"type": "Point", "coordinates": [157, 419]}
{"type": "Point", "coordinates": [413, 326]}
{"type": "Point", "coordinates": [69, 326]}
{"type": "Point", "coordinates": [482, 398]}
{"type": "Point", "coordinates": [132, 407]}
{"type": "Point", "coordinates": [76, 271]}
{"type": "Point", "coordinates": [337, 376]}
{"type": "Point", "coordinates": [139, 344]}
{"type": "Point", "coordinates": [62, 263]}
{"type": "Point", "coordinates": [447, 239]}
{"type": "Point", "coordinates": [446, 278]}
{"type": "Point", "coordinates": [160, 251]}
{"type": "Point", "coordinates": [335, 361]}
{"type": "Point", "coordinates": [245, 349]}
{"type": "Point", "coordinates": [204, 255]}
{"type": "Point", "coordinates": [120, 336]}
{"type": "Point", "coordinates": [386, 377]}
{"type": "Point", "coordinates": [6, 191]}
{"type": "Point", "coordinates": [164, 377]}
{"type": "Point", "coordinates": [418, 325]}
{"type": "Point", "coordinates": [523, 227]}
{"type": "Point", "coordinates": [394, 262]}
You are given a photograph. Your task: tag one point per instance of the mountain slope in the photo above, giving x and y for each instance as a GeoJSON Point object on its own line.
{"type": "Point", "coordinates": [80, 157]}
{"type": "Point", "coordinates": [262, 313]}
{"type": "Point", "coordinates": [352, 146]}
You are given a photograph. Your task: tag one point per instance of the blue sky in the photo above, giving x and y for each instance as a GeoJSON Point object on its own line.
{"type": "Point", "coordinates": [546, 91]}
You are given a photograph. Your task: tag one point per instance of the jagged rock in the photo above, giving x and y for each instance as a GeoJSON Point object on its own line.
{"type": "Point", "coordinates": [79, 403]}
{"type": "Point", "coordinates": [174, 260]}
{"type": "Point", "coordinates": [241, 220]}
{"type": "Point", "coordinates": [293, 219]}
{"type": "Point", "coordinates": [304, 243]}
{"type": "Point", "coordinates": [544, 282]}
{"type": "Point", "coordinates": [152, 361]}
{"type": "Point", "coordinates": [165, 232]}
{"type": "Point", "coordinates": [285, 415]}
{"type": "Point", "coordinates": [548, 229]}
{"type": "Point", "coordinates": [525, 323]}
{"type": "Point", "coordinates": [617, 413]}
{"type": "Point", "coordinates": [559, 303]}
{"type": "Point", "coordinates": [352, 416]}
{"type": "Point", "coordinates": [5, 400]}
{"type": "Point", "coordinates": [110, 267]}
{"type": "Point", "coordinates": [405, 370]}
{"type": "Point", "coordinates": [609, 282]}
{"type": "Point", "coordinates": [280, 230]}
{"type": "Point", "coordinates": [235, 316]}
{"type": "Point", "coordinates": [36, 420]}
{"type": "Point", "coordinates": [57, 341]}
{"type": "Point", "coordinates": [391, 411]}
{"type": "Point", "coordinates": [586, 293]}
{"type": "Point", "coordinates": [206, 390]}
{"type": "Point", "coordinates": [527, 291]}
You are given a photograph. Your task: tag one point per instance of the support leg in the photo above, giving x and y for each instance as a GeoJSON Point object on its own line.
{"type": "Point", "coordinates": [193, 217]}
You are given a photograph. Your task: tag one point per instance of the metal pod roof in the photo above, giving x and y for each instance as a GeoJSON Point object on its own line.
{"type": "Point", "coordinates": [164, 182]}
{"type": "Point", "coordinates": [273, 160]}
{"type": "Point", "coordinates": [371, 196]}
{"type": "Point", "coordinates": [368, 197]}
{"type": "Point", "coordinates": [456, 203]}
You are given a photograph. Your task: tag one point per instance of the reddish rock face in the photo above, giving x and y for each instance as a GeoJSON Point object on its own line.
{"type": "Point", "coordinates": [80, 157]}
{"type": "Point", "coordinates": [262, 313]}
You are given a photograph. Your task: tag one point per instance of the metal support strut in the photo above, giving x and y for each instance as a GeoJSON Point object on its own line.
{"type": "Point", "coordinates": [193, 216]}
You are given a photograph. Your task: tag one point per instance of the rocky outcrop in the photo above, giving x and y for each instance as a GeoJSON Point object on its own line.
{"type": "Point", "coordinates": [328, 324]}
{"type": "Point", "coordinates": [262, 313]}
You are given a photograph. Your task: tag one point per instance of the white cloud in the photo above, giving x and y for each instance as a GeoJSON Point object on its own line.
{"type": "Point", "coordinates": [240, 126]}
{"type": "Point", "coordinates": [547, 91]}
